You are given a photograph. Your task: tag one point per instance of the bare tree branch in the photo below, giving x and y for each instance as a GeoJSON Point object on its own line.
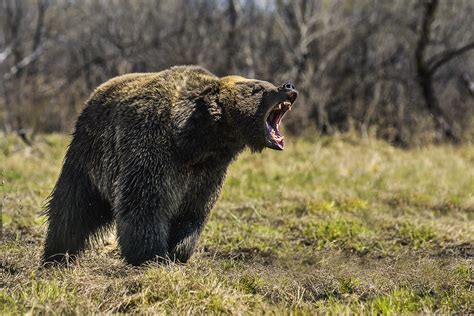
{"type": "Point", "coordinates": [446, 56]}
{"type": "Point", "coordinates": [5, 54]}
{"type": "Point", "coordinates": [23, 63]}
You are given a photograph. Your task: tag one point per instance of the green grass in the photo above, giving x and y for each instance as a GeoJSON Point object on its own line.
{"type": "Point", "coordinates": [336, 225]}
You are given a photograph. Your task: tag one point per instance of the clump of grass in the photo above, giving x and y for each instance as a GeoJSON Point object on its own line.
{"type": "Point", "coordinates": [465, 271]}
{"type": "Point", "coordinates": [402, 301]}
{"type": "Point", "coordinates": [250, 284]}
{"type": "Point", "coordinates": [415, 236]}
{"type": "Point", "coordinates": [339, 232]}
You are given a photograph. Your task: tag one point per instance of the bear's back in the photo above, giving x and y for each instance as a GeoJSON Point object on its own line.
{"type": "Point", "coordinates": [167, 84]}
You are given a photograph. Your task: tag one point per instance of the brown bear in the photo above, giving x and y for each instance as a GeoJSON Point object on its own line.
{"type": "Point", "coordinates": [150, 151]}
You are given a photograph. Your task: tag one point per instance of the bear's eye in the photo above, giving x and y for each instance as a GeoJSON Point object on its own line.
{"type": "Point", "coordinates": [257, 89]}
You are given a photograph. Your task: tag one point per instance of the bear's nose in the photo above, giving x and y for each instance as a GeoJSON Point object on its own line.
{"type": "Point", "coordinates": [289, 86]}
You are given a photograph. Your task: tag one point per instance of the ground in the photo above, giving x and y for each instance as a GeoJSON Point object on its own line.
{"type": "Point", "coordinates": [330, 225]}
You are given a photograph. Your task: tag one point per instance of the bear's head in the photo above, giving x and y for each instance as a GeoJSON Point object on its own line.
{"type": "Point", "coordinates": [254, 110]}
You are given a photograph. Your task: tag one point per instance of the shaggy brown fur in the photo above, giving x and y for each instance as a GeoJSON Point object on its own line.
{"type": "Point", "coordinates": [150, 151]}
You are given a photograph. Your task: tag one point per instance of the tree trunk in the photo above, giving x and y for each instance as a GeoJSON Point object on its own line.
{"type": "Point", "coordinates": [425, 76]}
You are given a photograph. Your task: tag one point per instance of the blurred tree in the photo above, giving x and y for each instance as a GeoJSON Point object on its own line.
{"type": "Point", "coordinates": [426, 69]}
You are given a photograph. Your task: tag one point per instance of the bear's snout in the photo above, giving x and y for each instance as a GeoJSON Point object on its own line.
{"type": "Point", "coordinates": [290, 90]}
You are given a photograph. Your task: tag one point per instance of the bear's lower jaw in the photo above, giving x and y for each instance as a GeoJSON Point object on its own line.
{"type": "Point", "coordinates": [275, 140]}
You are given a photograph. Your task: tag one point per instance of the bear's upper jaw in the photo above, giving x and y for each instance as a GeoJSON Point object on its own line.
{"type": "Point", "coordinates": [272, 124]}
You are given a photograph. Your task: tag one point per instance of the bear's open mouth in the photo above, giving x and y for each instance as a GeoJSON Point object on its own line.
{"type": "Point", "coordinates": [272, 124]}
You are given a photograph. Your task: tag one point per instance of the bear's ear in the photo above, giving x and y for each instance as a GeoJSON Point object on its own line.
{"type": "Point", "coordinates": [206, 99]}
{"type": "Point", "coordinates": [209, 93]}
{"type": "Point", "coordinates": [256, 88]}
{"type": "Point", "coordinates": [206, 94]}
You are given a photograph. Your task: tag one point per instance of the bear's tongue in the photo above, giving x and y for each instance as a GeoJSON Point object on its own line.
{"type": "Point", "coordinates": [273, 127]}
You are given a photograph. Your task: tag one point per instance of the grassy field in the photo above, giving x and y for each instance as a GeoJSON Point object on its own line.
{"type": "Point", "coordinates": [334, 225]}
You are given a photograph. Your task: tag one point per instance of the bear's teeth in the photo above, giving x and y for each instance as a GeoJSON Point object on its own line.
{"type": "Point", "coordinates": [286, 105]}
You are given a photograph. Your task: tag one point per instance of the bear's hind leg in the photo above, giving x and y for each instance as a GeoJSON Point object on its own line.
{"type": "Point", "coordinates": [76, 214]}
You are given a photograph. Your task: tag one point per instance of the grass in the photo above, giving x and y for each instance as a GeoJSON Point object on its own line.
{"type": "Point", "coordinates": [336, 225]}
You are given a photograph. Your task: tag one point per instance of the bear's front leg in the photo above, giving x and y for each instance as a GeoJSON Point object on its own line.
{"type": "Point", "coordinates": [146, 197]}
{"type": "Point", "coordinates": [185, 231]}
{"type": "Point", "coordinates": [142, 238]}
{"type": "Point", "coordinates": [194, 210]}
